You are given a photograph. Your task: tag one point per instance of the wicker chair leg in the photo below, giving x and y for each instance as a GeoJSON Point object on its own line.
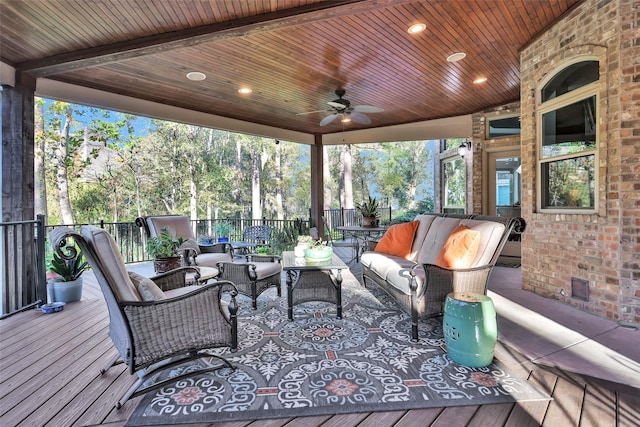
{"type": "Point", "coordinates": [254, 295]}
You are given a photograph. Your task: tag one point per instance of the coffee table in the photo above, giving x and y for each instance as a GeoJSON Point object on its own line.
{"type": "Point", "coordinates": [313, 281]}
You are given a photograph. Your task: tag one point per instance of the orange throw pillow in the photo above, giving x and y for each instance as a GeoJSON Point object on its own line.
{"type": "Point", "coordinates": [398, 239]}
{"type": "Point", "coordinates": [460, 249]}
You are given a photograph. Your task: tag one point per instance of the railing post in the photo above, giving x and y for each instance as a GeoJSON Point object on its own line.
{"type": "Point", "coordinates": [41, 261]}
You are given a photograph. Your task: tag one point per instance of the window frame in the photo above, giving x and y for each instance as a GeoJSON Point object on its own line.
{"type": "Point", "coordinates": [566, 99]}
{"type": "Point", "coordinates": [488, 121]}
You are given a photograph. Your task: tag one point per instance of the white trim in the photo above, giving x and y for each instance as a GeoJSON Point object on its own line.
{"type": "Point", "coordinates": [48, 88]}
{"type": "Point", "coordinates": [7, 74]}
{"type": "Point", "coordinates": [447, 128]}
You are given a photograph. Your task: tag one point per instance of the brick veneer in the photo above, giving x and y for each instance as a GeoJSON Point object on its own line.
{"type": "Point", "coordinates": [602, 248]}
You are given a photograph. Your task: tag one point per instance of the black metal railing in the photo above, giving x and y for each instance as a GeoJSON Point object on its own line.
{"type": "Point", "coordinates": [26, 252]}
{"type": "Point", "coordinates": [23, 265]}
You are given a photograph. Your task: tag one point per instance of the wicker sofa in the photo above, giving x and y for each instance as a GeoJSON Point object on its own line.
{"type": "Point", "coordinates": [417, 282]}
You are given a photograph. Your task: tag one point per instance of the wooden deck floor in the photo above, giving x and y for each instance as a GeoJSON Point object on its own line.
{"type": "Point", "coordinates": [49, 376]}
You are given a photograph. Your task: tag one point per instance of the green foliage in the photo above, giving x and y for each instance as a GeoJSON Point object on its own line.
{"type": "Point", "coordinates": [369, 208]}
{"type": "Point", "coordinates": [164, 245]}
{"type": "Point", "coordinates": [287, 238]}
{"type": "Point", "coordinates": [223, 229]}
{"type": "Point", "coordinates": [70, 269]}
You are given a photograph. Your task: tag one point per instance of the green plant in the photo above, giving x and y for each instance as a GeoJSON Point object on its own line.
{"type": "Point", "coordinates": [369, 209]}
{"type": "Point", "coordinates": [316, 244]}
{"type": "Point", "coordinates": [223, 229]}
{"type": "Point", "coordinates": [305, 238]}
{"type": "Point", "coordinates": [71, 269]}
{"type": "Point", "coordinates": [164, 245]}
{"type": "Point", "coordinates": [263, 250]}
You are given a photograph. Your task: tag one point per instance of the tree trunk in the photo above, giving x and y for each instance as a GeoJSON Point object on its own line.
{"type": "Point", "coordinates": [347, 176]}
{"type": "Point", "coordinates": [256, 209]}
{"type": "Point", "coordinates": [193, 191]}
{"type": "Point", "coordinates": [278, 172]}
{"type": "Point", "coordinates": [328, 196]}
{"type": "Point", "coordinates": [62, 153]}
{"type": "Point", "coordinates": [40, 185]}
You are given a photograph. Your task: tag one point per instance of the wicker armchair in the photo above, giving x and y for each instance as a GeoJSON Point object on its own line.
{"type": "Point", "coordinates": [154, 325]}
{"type": "Point", "coordinates": [254, 276]}
{"type": "Point", "coordinates": [193, 253]}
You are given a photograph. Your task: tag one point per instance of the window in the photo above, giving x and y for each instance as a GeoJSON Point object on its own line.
{"type": "Point", "coordinates": [567, 123]}
{"type": "Point", "coordinates": [503, 126]}
{"type": "Point", "coordinates": [454, 192]}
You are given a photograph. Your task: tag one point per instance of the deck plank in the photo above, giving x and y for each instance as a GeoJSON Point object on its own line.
{"type": "Point", "coordinates": [492, 415]}
{"type": "Point", "coordinates": [629, 408]}
{"type": "Point", "coordinates": [417, 417]}
{"type": "Point", "coordinates": [71, 347]}
{"type": "Point", "coordinates": [599, 407]}
{"type": "Point", "coordinates": [532, 413]}
{"type": "Point", "coordinates": [565, 411]}
{"type": "Point", "coordinates": [455, 416]}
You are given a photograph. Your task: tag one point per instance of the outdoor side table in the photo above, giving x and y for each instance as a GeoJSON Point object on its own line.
{"type": "Point", "coordinates": [470, 329]}
{"type": "Point", "coordinates": [308, 281]}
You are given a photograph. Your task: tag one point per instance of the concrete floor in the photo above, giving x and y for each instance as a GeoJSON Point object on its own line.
{"type": "Point", "coordinates": [550, 333]}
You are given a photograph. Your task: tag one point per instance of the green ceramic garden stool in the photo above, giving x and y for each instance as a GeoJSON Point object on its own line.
{"type": "Point", "coordinates": [470, 330]}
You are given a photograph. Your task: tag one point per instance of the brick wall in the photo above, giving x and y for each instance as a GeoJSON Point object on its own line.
{"type": "Point", "coordinates": [602, 248]}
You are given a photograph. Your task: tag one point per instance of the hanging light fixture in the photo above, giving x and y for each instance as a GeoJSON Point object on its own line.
{"type": "Point", "coordinates": [464, 147]}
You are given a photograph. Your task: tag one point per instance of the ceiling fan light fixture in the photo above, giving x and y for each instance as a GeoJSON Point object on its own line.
{"type": "Point", "coordinates": [245, 90]}
{"type": "Point", "coordinates": [345, 119]}
{"type": "Point", "coordinates": [455, 57]}
{"type": "Point", "coordinates": [480, 80]}
{"type": "Point", "coordinates": [417, 28]}
{"type": "Point", "coordinates": [196, 76]}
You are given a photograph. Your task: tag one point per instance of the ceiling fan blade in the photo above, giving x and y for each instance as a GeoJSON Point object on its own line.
{"type": "Point", "coordinates": [337, 105]}
{"type": "Point", "coordinates": [310, 112]}
{"type": "Point", "coordinates": [328, 119]}
{"type": "Point", "coordinates": [360, 118]}
{"type": "Point", "coordinates": [367, 109]}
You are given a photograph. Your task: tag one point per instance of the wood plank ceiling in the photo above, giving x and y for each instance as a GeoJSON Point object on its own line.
{"type": "Point", "coordinates": [293, 54]}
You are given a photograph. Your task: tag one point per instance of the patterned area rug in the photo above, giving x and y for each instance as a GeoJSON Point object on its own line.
{"type": "Point", "coordinates": [319, 365]}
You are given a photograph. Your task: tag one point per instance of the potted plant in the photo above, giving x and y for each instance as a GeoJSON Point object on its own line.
{"type": "Point", "coordinates": [304, 241]}
{"type": "Point", "coordinates": [223, 230]}
{"type": "Point", "coordinates": [164, 249]}
{"type": "Point", "coordinates": [318, 251]}
{"type": "Point", "coordinates": [206, 239]}
{"type": "Point", "coordinates": [369, 212]}
{"type": "Point", "coordinates": [66, 284]}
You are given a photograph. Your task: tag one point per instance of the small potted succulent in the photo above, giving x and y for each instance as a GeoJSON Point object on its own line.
{"type": "Point", "coordinates": [369, 212]}
{"type": "Point", "coordinates": [65, 284]}
{"type": "Point", "coordinates": [164, 249]}
{"type": "Point", "coordinates": [206, 239]}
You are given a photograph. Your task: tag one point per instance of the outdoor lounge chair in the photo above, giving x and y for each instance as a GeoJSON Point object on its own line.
{"type": "Point", "coordinates": [154, 327]}
{"type": "Point", "coordinates": [193, 253]}
{"type": "Point", "coordinates": [253, 276]}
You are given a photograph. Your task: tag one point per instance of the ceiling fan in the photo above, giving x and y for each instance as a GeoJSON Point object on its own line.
{"type": "Point", "coordinates": [342, 107]}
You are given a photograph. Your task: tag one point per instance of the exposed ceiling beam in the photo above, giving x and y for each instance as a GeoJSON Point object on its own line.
{"type": "Point", "coordinates": [149, 45]}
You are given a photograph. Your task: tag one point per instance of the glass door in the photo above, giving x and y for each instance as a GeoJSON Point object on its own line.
{"type": "Point", "coordinates": [505, 180]}
{"type": "Point", "coordinates": [504, 196]}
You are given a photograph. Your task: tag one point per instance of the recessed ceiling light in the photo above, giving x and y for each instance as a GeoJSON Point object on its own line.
{"type": "Point", "coordinates": [196, 76]}
{"type": "Point", "coordinates": [417, 28]}
{"type": "Point", "coordinates": [480, 80]}
{"type": "Point", "coordinates": [456, 57]}
{"type": "Point", "coordinates": [245, 90]}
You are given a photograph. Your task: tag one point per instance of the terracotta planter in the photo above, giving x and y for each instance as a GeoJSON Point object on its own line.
{"type": "Point", "coordinates": [369, 221]}
{"type": "Point", "coordinates": [162, 265]}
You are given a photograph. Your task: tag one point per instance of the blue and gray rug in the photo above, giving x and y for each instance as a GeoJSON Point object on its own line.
{"type": "Point", "coordinates": [319, 365]}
